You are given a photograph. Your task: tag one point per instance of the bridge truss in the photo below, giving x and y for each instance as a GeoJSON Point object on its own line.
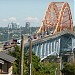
{"type": "Point", "coordinates": [57, 18]}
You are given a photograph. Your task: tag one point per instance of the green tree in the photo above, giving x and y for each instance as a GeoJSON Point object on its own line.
{"type": "Point", "coordinates": [17, 54]}
{"type": "Point", "coordinates": [69, 69]}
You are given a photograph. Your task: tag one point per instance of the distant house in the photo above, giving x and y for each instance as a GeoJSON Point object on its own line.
{"type": "Point", "coordinates": [6, 62]}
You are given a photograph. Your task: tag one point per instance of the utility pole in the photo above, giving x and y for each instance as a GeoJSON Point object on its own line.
{"type": "Point", "coordinates": [22, 54]}
{"type": "Point", "coordinates": [30, 55]}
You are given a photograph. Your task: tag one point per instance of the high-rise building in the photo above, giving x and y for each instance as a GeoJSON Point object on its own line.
{"type": "Point", "coordinates": [13, 25]}
{"type": "Point", "coordinates": [10, 25]}
{"type": "Point", "coordinates": [27, 25]}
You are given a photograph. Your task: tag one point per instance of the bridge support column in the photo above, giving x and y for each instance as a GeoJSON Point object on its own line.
{"type": "Point", "coordinates": [51, 47]}
{"type": "Point", "coordinates": [45, 50]}
{"type": "Point", "coordinates": [54, 45]}
{"type": "Point", "coordinates": [71, 57]}
{"type": "Point", "coordinates": [73, 43]}
{"type": "Point", "coordinates": [36, 50]}
{"type": "Point", "coordinates": [48, 49]}
{"type": "Point", "coordinates": [41, 51]}
{"type": "Point", "coordinates": [58, 47]}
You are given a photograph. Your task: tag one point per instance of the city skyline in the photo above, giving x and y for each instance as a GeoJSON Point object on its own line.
{"type": "Point", "coordinates": [20, 11]}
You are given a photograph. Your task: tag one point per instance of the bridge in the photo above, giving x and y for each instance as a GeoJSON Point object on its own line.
{"type": "Point", "coordinates": [56, 33]}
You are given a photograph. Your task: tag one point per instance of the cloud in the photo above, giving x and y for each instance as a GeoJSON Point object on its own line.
{"type": "Point", "coordinates": [9, 19]}
{"type": "Point", "coordinates": [12, 19]}
{"type": "Point", "coordinates": [5, 20]}
{"type": "Point", "coordinates": [31, 19]}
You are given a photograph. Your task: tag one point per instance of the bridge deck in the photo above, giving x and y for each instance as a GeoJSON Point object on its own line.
{"type": "Point", "coordinates": [48, 37]}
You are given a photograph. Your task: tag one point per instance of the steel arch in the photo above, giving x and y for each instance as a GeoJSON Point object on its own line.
{"type": "Point", "coordinates": [58, 9]}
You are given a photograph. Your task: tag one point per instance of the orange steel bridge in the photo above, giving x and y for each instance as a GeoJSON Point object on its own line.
{"type": "Point", "coordinates": [58, 24]}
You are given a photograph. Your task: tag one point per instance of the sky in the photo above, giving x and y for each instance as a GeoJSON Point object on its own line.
{"type": "Point", "coordinates": [20, 11]}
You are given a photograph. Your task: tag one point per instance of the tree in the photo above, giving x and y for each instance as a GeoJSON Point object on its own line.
{"type": "Point", "coordinates": [69, 69]}
{"type": "Point", "coordinates": [17, 54]}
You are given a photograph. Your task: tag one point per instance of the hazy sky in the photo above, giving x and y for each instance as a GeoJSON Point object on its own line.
{"type": "Point", "coordinates": [20, 11]}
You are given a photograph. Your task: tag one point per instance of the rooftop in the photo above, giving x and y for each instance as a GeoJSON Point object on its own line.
{"type": "Point", "coordinates": [7, 57]}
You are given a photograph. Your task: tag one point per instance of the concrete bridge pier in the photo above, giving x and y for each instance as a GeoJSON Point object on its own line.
{"type": "Point", "coordinates": [71, 57]}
